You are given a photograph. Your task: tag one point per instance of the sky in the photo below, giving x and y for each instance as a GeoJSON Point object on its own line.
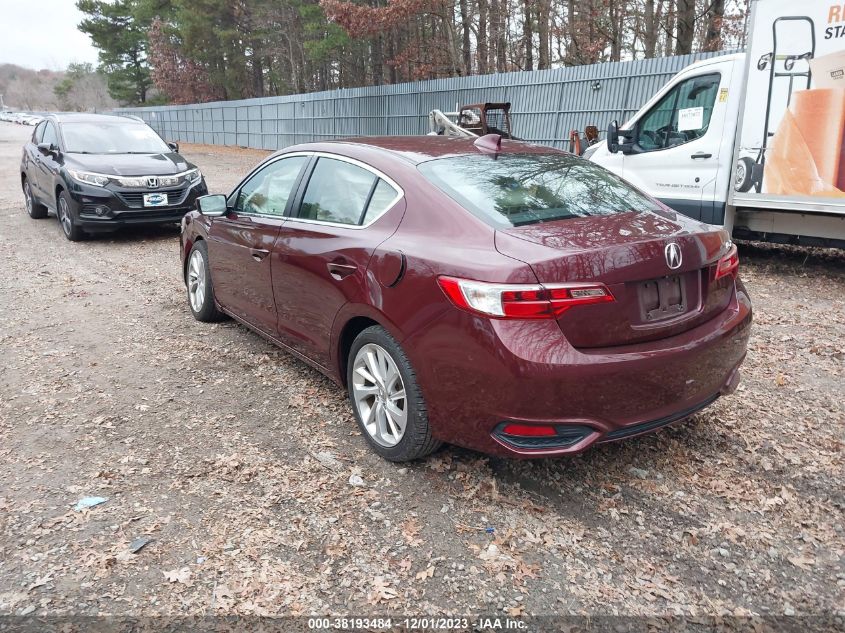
{"type": "Point", "coordinates": [42, 34]}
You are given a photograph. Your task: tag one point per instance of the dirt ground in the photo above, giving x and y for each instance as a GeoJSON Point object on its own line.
{"type": "Point", "coordinates": [235, 459]}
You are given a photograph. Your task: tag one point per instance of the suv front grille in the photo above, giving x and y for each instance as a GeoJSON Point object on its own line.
{"type": "Point", "coordinates": [135, 199]}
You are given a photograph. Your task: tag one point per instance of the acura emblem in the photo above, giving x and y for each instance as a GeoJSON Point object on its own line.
{"type": "Point", "coordinates": [673, 255]}
{"type": "Point", "coordinates": [152, 182]}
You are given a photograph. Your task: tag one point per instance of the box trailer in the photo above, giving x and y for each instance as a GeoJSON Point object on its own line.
{"type": "Point", "coordinates": [753, 141]}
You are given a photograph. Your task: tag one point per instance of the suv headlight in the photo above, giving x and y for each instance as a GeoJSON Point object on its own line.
{"type": "Point", "coordinates": [193, 176]}
{"type": "Point", "coordinates": [98, 180]}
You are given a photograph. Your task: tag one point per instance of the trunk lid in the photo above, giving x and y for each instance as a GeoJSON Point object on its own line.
{"type": "Point", "coordinates": [627, 252]}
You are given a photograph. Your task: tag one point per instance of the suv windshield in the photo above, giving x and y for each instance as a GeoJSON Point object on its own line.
{"type": "Point", "coordinates": [120, 137]}
{"type": "Point", "coordinates": [518, 189]}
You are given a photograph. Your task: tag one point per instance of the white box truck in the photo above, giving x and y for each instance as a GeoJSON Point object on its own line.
{"type": "Point", "coordinates": [755, 141]}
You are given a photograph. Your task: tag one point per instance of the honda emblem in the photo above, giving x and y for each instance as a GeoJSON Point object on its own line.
{"type": "Point", "coordinates": [152, 181]}
{"type": "Point", "coordinates": [673, 255]}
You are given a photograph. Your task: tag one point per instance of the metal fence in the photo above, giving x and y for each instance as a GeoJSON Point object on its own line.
{"type": "Point", "coordinates": [546, 105]}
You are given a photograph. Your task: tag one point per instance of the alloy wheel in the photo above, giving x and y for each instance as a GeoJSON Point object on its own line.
{"type": "Point", "coordinates": [196, 280]}
{"type": "Point", "coordinates": [64, 217]}
{"type": "Point", "coordinates": [379, 395]}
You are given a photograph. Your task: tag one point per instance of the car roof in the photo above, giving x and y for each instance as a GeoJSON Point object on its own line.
{"type": "Point", "coordinates": [418, 149]}
{"type": "Point", "coordinates": [84, 117]}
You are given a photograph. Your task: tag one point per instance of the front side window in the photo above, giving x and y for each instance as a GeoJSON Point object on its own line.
{"type": "Point", "coordinates": [38, 134]}
{"type": "Point", "coordinates": [112, 137]}
{"type": "Point", "coordinates": [269, 189]}
{"type": "Point", "coordinates": [343, 193]}
{"type": "Point", "coordinates": [50, 135]}
{"type": "Point", "coordinates": [681, 116]}
{"type": "Point", "coordinates": [520, 189]}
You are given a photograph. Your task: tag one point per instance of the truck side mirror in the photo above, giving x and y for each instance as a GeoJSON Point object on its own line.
{"type": "Point", "coordinates": [613, 137]}
{"type": "Point", "coordinates": [629, 139]}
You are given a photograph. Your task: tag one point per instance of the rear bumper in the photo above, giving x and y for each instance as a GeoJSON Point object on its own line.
{"type": "Point", "coordinates": [527, 373]}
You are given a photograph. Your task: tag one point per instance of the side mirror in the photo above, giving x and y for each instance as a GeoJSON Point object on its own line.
{"type": "Point", "coordinates": [613, 135]}
{"type": "Point", "coordinates": [173, 145]}
{"type": "Point", "coordinates": [213, 205]}
{"type": "Point", "coordinates": [47, 148]}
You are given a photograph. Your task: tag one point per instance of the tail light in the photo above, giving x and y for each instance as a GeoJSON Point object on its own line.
{"type": "Point", "coordinates": [728, 264]}
{"type": "Point", "coordinates": [521, 301]}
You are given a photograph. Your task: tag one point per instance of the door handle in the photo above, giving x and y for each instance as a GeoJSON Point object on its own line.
{"type": "Point", "coordinates": [701, 155]}
{"type": "Point", "coordinates": [339, 271]}
{"type": "Point", "coordinates": [259, 253]}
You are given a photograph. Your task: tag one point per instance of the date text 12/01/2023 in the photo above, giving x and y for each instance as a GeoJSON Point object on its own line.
{"type": "Point", "coordinates": [417, 623]}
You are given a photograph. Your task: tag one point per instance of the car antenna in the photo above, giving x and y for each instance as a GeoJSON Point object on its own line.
{"type": "Point", "coordinates": [489, 143]}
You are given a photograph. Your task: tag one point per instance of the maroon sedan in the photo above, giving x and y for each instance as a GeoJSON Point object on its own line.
{"type": "Point", "coordinates": [502, 296]}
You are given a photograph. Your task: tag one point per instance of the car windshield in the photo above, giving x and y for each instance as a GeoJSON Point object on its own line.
{"type": "Point", "coordinates": [508, 190]}
{"type": "Point", "coordinates": [120, 137]}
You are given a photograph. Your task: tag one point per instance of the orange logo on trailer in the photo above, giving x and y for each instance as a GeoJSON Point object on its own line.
{"type": "Point", "coordinates": [835, 14]}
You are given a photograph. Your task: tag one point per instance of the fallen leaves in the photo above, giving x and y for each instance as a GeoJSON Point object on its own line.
{"type": "Point", "coordinates": [804, 562]}
{"type": "Point", "coordinates": [426, 573]}
{"type": "Point", "coordinates": [181, 576]}
{"type": "Point", "coordinates": [411, 532]}
{"type": "Point", "coordinates": [381, 591]}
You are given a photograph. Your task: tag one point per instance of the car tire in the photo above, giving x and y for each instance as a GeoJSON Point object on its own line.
{"type": "Point", "coordinates": [744, 179]}
{"type": "Point", "coordinates": [70, 228]}
{"type": "Point", "coordinates": [386, 395]}
{"type": "Point", "coordinates": [34, 209]}
{"type": "Point", "coordinates": [199, 286]}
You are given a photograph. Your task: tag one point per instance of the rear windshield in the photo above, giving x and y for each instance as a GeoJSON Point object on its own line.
{"type": "Point", "coordinates": [120, 137]}
{"type": "Point", "coordinates": [519, 189]}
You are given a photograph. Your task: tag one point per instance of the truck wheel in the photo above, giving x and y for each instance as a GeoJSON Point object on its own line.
{"type": "Point", "coordinates": [744, 181]}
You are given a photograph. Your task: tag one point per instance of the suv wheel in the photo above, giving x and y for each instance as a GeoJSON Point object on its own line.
{"type": "Point", "coordinates": [35, 210]}
{"type": "Point", "coordinates": [386, 398]}
{"type": "Point", "coordinates": [71, 230]}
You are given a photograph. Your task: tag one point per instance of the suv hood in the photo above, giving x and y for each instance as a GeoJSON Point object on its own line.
{"type": "Point", "coordinates": [129, 164]}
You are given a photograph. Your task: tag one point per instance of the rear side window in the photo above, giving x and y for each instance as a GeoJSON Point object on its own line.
{"type": "Point", "coordinates": [382, 199]}
{"type": "Point", "coordinates": [343, 193]}
{"type": "Point", "coordinates": [520, 189]}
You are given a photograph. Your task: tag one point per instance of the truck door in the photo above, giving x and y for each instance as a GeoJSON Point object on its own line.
{"type": "Point", "coordinates": [676, 157]}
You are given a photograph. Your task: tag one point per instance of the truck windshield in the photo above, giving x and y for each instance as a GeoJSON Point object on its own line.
{"type": "Point", "coordinates": [112, 138]}
{"type": "Point", "coordinates": [509, 190]}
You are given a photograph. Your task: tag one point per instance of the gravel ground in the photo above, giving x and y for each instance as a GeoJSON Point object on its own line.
{"type": "Point", "coordinates": [235, 459]}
